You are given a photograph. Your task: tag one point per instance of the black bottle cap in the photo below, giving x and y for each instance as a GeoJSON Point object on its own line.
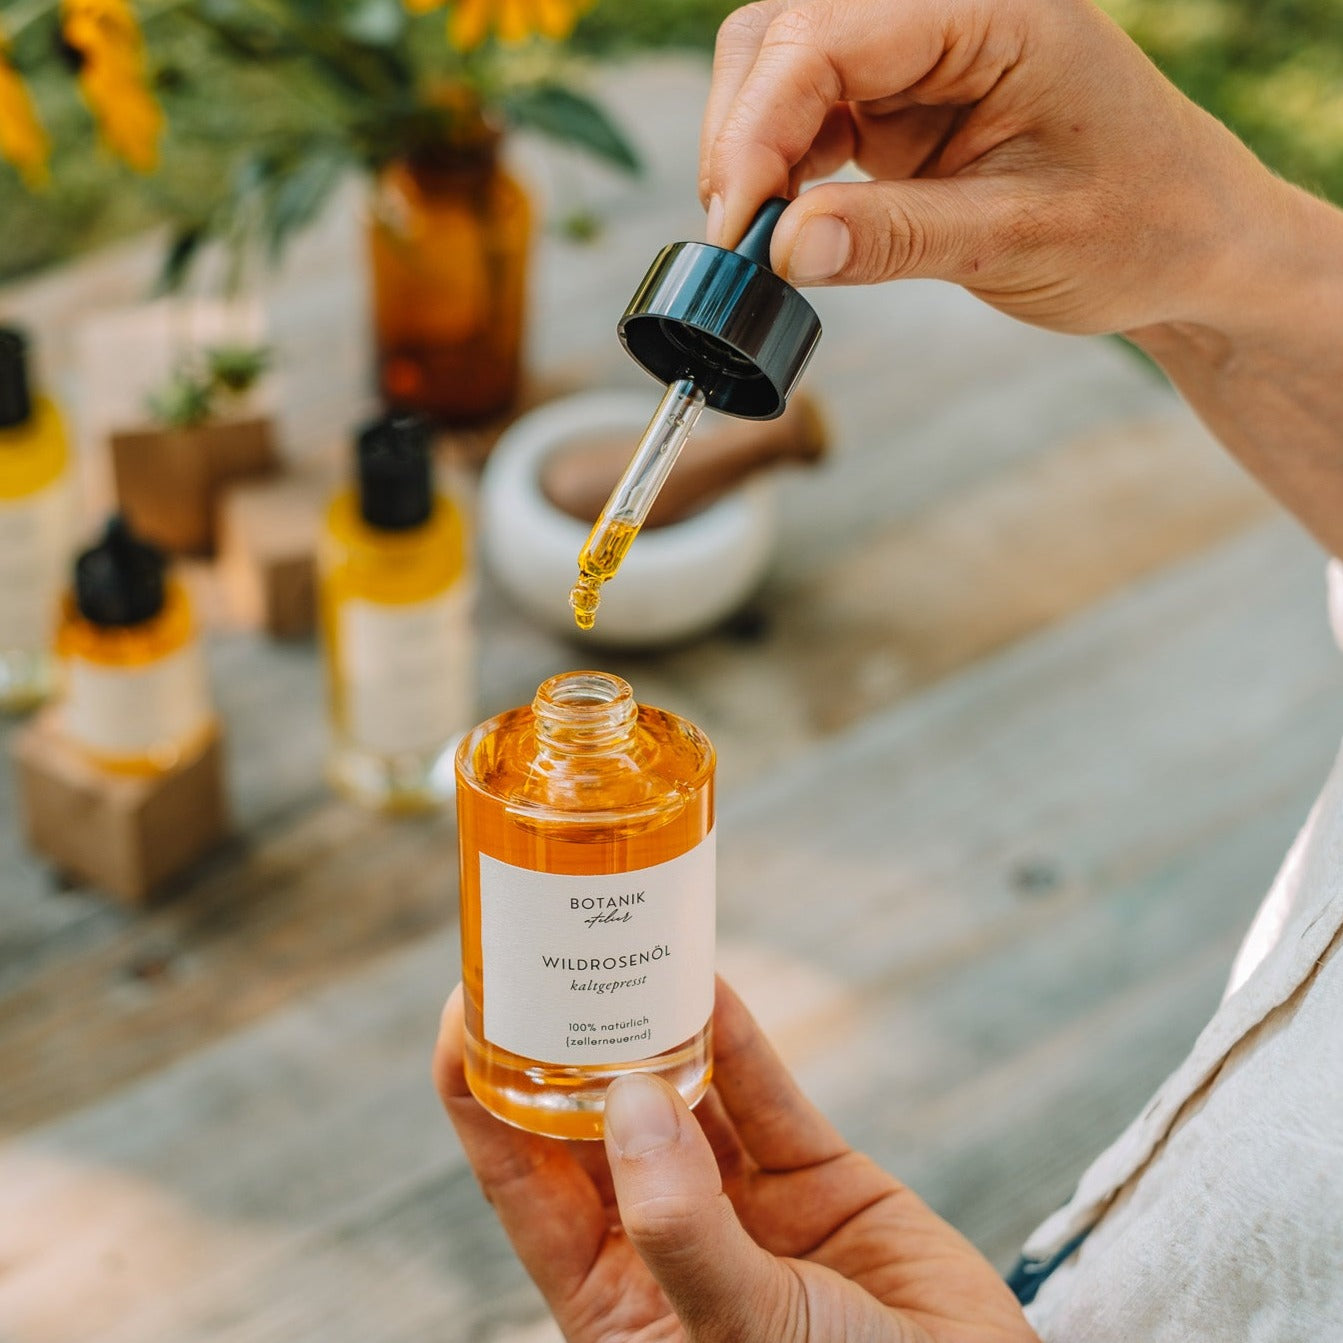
{"type": "Point", "coordinates": [725, 320]}
{"type": "Point", "coordinates": [396, 472]}
{"type": "Point", "coordinates": [120, 580]}
{"type": "Point", "coordinates": [16, 399]}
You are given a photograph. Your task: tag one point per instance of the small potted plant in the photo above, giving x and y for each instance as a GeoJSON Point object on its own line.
{"type": "Point", "coordinates": [171, 473]}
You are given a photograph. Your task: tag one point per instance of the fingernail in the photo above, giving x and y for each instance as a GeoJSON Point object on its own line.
{"type": "Point", "coordinates": [639, 1115]}
{"type": "Point", "coordinates": [821, 249]}
{"type": "Point", "coordinates": [713, 226]}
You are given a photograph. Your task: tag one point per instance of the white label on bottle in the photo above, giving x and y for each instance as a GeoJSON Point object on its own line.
{"type": "Point", "coordinates": [602, 969]}
{"type": "Point", "coordinates": [407, 671]}
{"type": "Point", "coordinates": [131, 711]}
{"type": "Point", "coordinates": [35, 543]}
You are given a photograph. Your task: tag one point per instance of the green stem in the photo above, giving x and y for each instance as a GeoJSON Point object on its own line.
{"type": "Point", "coordinates": [22, 16]}
{"type": "Point", "coordinates": [337, 55]}
{"type": "Point", "coordinates": [324, 111]}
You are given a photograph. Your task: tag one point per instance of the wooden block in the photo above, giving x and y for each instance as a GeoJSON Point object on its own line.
{"type": "Point", "coordinates": [125, 834]}
{"type": "Point", "coordinates": [170, 481]}
{"type": "Point", "coordinates": [268, 534]}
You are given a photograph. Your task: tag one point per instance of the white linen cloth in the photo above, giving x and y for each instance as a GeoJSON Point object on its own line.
{"type": "Point", "coordinates": [1218, 1214]}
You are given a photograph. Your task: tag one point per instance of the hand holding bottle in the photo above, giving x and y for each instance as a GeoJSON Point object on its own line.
{"type": "Point", "coordinates": [749, 1220]}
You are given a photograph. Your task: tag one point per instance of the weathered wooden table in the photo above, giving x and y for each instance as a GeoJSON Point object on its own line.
{"type": "Point", "coordinates": [1034, 700]}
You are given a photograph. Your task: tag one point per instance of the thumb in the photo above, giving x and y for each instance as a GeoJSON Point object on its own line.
{"type": "Point", "coordinates": [672, 1205]}
{"type": "Point", "coordinates": [866, 232]}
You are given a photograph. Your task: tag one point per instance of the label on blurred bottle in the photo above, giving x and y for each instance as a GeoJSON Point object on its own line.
{"type": "Point", "coordinates": [406, 671]}
{"type": "Point", "coordinates": [600, 969]}
{"type": "Point", "coordinates": [132, 712]}
{"type": "Point", "coordinates": [35, 543]}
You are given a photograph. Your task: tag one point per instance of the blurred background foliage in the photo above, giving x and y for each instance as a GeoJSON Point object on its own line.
{"type": "Point", "coordinates": [1271, 69]}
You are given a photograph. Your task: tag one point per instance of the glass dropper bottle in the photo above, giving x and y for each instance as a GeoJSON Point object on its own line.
{"type": "Point", "coordinates": [721, 330]}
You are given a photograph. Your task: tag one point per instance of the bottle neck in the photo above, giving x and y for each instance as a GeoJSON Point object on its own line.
{"type": "Point", "coordinates": [16, 396]}
{"type": "Point", "coordinates": [121, 580]}
{"type": "Point", "coordinates": [464, 147]}
{"type": "Point", "coordinates": [585, 713]}
{"type": "Point", "coordinates": [395, 474]}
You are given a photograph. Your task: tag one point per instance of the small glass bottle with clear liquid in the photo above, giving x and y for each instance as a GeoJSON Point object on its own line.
{"type": "Point", "coordinates": [395, 599]}
{"type": "Point", "coordinates": [36, 528]}
{"type": "Point", "coordinates": [586, 831]}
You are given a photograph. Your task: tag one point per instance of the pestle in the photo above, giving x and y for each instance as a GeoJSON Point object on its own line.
{"type": "Point", "coordinates": [577, 479]}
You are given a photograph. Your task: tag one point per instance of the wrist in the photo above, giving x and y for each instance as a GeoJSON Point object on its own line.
{"type": "Point", "coordinates": [1270, 277]}
{"type": "Point", "coordinates": [1261, 361]}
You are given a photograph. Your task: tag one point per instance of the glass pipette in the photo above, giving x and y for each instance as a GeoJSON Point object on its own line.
{"type": "Point", "coordinates": [633, 496]}
{"type": "Point", "coordinates": [718, 328]}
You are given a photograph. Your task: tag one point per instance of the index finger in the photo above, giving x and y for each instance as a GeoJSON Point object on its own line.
{"type": "Point", "coordinates": [734, 53]}
{"type": "Point", "coordinates": [549, 1208]}
{"type": "Point", "coordinates": [779, 1128]}
{"type": "Point", "coordinates": [812, 55]}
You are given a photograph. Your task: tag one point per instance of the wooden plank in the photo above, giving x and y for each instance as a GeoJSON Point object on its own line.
{"type": "Point", "coordinates": [891, 610]}
{"type": "Point", "coordinates": [296, 908]}
{"type": "Point", "coordinates": [1045, 858]}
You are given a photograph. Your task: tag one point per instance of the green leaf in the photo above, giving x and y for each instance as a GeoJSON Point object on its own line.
{"type": "Point", "coordinates": [571, 118]}
{"type": "Point", "coordinates": [580, 226]}
{"type": "Point", "coordinates": [236, 368]}
{"type": "Point", "coordinates": [294, 192]}
{"type": "Point", "coordinates": [376, 23]}
{"type": "Point", "coordinates": [619, 26]}
{"type": "Point", "coordinates": [185, 400]}
{"type": "Point", "coordinates": [186, 242]}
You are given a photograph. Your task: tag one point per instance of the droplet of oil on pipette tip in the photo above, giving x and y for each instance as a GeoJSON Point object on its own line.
{"type": "Point", "coordinates": [605, 548]}
{"type": "Point", "coordinates": [584, 598]}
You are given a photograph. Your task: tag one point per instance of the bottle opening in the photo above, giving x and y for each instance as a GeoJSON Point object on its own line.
{"type": "Point", "coordinates": [585, 709]}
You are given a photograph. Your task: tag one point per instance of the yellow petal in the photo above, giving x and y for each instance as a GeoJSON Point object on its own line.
{"type": "Point", "coordinates": [422, 6]}
{"type": "Point", "coordinates": [514, 22]}
{"type": "Point", "coordinates": [23, 141]}
{"type": "Point", "coordinates": [96, 25]}
{"type": "Point", "coordinates": [469, 23]}
{"type": "Point", "coordinates": [556, 18]}
{"type": "Point", "coordinates": [128, 117]}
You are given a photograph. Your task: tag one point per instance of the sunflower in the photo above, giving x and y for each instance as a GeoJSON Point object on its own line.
{"type": "Point", "coordinates": [23, 141]}
{"type": "Point", "coordinates": [514, 20]}
{"type": "Point", "coordinates": [112, 78]}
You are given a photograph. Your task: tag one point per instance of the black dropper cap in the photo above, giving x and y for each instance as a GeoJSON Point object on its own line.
{"type": "Point", "coordinates": [395, 471]}
{"type": "Point", "coordinates": [16, 398]}
{"type": "Point", "coordinates": [120, 580]}
{"type": "Point", "coordinates": [725, 320]}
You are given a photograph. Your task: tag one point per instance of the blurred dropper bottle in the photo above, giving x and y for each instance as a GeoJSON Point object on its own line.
{"type": "Point", "coordinates": [136, 697]}
{"type": "Point", "coordinates": [36, 527]}
{"type": "Point", "coordinates": [396, 623]}
{"type": "Point", "coordinates": [721, 330]}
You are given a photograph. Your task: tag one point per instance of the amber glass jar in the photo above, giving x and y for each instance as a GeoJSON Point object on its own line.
{"type": "Point", "coordinates": [448, 239]}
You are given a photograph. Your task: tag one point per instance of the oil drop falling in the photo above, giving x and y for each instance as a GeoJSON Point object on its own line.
{"type": "Point", "coordinates": [599, 559]}
{"type": "Point", "coordinates": [584, 599]}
